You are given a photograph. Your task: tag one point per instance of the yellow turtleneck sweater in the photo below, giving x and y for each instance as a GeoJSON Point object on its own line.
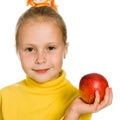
{"type": "Point", "coordinates": [30, 100]}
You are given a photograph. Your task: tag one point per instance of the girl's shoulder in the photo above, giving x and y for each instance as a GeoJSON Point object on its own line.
{"type": "Point", "coordinates": [11, 87]}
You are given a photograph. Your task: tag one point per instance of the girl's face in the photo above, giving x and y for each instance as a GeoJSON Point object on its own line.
{"type": "Point", "coordinates": [41, 50]}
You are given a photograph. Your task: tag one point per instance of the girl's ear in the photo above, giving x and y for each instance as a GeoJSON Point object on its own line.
{"type": "Point", "coordinates": [66, 50]}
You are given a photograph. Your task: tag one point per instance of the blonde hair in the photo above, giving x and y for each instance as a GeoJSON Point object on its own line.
{"type": "Point", "coordinates": [42, 14]}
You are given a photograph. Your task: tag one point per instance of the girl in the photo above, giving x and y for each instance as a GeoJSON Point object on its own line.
{"type": "Point", "coordinates": [45, 93]}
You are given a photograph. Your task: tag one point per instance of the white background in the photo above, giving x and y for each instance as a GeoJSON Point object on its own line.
{"type": "Point", "coordinates": [93, 34]}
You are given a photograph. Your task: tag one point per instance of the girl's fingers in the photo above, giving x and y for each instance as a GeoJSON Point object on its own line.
{"type": "Point", "coordinates": [110, 94]}
{"type": "Point", "coordinates": [97, 98]}
{"type": "Point", "coordinates": [97, 106]}
{"type": "Point", "coordinates": [107, 99]}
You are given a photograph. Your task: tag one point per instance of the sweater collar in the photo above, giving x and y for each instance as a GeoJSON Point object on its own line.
{"type": "Point", "coordinates": [60, 81]}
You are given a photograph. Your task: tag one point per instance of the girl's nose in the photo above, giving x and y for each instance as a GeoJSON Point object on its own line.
{"type": "Point", "coordinates": [40, 57]}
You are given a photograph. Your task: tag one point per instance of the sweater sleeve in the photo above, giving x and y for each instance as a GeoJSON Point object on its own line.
{"type": "Point", "coordinates": [83, 117]}
{"type": "Point", "coordinates": [1, 108]}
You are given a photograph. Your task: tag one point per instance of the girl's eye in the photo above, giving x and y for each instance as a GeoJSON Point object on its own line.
{"type": "Point", "coordinates": [51, 48]}
{"type": "Point", "coordinates": [29, 49]}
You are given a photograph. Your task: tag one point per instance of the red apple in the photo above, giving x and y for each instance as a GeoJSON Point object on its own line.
{"type": "Point", "coordinates": [91, 82]}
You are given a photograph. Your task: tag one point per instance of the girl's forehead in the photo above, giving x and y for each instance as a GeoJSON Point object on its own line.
{"type": "Point", "coordinates": [44, 31]}
{"type": "Point", "coordinates": [40, 27]}
{"type": "Point", "coordinates": [40, 22]}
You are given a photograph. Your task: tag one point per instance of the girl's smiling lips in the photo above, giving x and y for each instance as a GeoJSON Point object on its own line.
{"type": "Point", "coordinates": [41, 70]}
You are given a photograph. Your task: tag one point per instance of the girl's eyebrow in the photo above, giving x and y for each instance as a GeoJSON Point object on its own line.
{"type": "Point", "coordinates": [54, 42]}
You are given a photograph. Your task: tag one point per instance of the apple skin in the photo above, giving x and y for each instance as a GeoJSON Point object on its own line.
{"type": "Point", "coordinates": [91, 82]}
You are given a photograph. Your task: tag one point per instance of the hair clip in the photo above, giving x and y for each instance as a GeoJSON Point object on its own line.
{"type": "Point", "coordinates": [39, 3]}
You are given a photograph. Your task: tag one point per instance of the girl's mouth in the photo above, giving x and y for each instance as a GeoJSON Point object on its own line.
{"type": "Point", "coordinates": [41, 70]}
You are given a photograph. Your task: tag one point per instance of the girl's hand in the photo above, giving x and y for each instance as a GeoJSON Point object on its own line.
{"type": "Point", "coordinates": [78, 107]}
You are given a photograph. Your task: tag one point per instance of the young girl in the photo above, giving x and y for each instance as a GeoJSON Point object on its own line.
{"type": "Point", "coordinates": [45, 93]}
